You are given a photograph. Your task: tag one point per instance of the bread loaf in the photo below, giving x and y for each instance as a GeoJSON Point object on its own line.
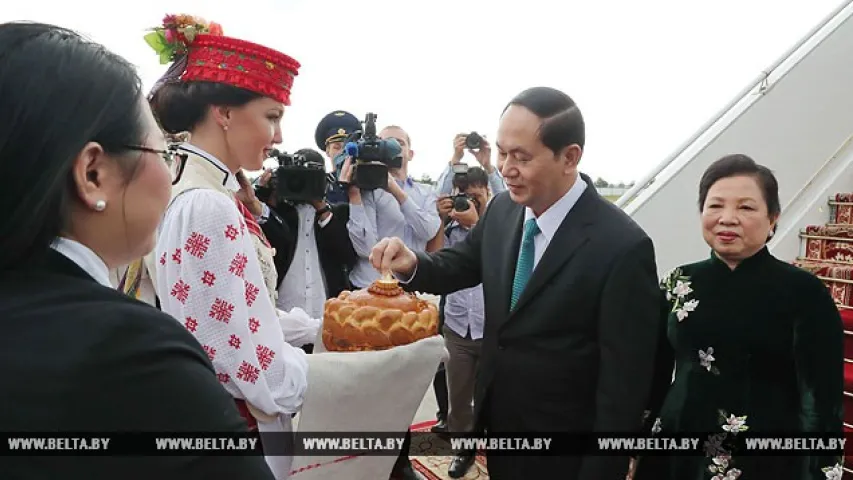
{"type": "Point", "coordinates": [377, 318]}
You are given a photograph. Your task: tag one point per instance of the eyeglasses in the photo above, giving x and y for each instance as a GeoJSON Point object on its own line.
{"type": "Point", "coordinates": [169, 156]}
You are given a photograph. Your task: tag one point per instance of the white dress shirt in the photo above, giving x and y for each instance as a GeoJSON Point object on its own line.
{"type": "Point", "coordinates": [85, 258]}
{"type": "Point", "coordinates": [303, 285]}
{"type": "Point", "coordinates": [551, 219]}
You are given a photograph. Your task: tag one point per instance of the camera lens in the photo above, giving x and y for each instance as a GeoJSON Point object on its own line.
{"type": "Point", "coordinates": [472, 141]}
{"type": "Point", "coordinates": [460, 204]}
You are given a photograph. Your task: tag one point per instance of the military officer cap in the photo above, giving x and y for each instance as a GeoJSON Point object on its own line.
{"type": "Point", "coordinates": [335, 127]}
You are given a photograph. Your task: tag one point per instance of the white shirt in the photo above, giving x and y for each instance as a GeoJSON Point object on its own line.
{"type": "Point", "coordinates": [548, 223]}
{"type": "Point", "coordinates": [209, 278]}
{"type": "Point", "coordinates": [303, 285]}
{"type": "Point", "coordinates": [380, 215]}
{"type": "Point", "coordinates": [551, 219]}
{"type": "Point", "coordinates": [85, 258]}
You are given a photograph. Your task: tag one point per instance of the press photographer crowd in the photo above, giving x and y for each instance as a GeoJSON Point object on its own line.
{"type": "Point", "coordinates": [157, 279]}
{"type": "Point", "coordinates": [322, 227]}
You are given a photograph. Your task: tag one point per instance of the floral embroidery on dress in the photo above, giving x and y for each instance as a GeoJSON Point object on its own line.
{"type": "Point", "coordinates": [721, 458]}
{"type": "Point", "coordinates": [657, 426]}
{"type": "Point", "coordinates": [735, 424]}
{"type": "Point", "coordinates": [713, 446]}
{"type": "Point", "coordinates": [677, 287]}
{"type": "Point", "coordinates": [834, 472]}
{"type": "Point", "coordinates": [720, 467]}
{"type": "Point", "coordinates": [706, 359]}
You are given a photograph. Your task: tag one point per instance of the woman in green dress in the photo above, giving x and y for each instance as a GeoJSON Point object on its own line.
{"type": "Point", "coordinates": [756, 342]}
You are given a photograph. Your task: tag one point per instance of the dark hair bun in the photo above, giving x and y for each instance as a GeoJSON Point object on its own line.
{"type": "Point", "coordinates": [180, 106]}
{"type": "Point", "coordinates": [176, 109]}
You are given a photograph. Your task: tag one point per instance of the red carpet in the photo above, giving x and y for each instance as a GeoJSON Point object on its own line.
{"type": "Point", "coordinates": [848, 344]}
{"type": "Point", "coordinates": [435, 468]}
{"type": "Point", "coordinates": [847, 319]}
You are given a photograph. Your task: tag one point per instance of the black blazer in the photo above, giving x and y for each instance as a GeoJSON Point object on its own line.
{"type": "Point", "coordinates": [576, 353]}
{"type": "Point", "coordinates": [79, 357]}
{"type": "Point", "coordinates": [335, 250]}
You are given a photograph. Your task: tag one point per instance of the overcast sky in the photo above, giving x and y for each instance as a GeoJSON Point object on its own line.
{"type": "Point", "coordinates": [645, 74]}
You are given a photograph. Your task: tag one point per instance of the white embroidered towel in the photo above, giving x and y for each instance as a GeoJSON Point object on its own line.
{"type": "Point", "coordinates": [363, 392]}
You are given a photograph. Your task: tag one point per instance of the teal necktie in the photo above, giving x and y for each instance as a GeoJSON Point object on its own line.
{"type": "Point", "coordinates": [524, 267]}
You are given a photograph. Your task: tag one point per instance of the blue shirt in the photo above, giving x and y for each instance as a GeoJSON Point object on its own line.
{"type": "Point", "coordinates": [416, 222]}
{"type": "Point", "coordinates": [464, 309]}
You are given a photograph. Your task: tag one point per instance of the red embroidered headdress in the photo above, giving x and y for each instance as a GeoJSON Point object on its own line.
{"type": "Point", "coordinates": [201, 52]}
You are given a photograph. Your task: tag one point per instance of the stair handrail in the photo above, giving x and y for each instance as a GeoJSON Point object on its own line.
{"type": "Point", "coordinates": [814, 176]}
{"type": "Point", "coordinates": [781, 223]}
{"type": "Point", "coordinates": [760, 82]}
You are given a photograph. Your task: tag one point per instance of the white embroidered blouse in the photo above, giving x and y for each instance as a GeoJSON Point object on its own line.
{"type": "Point", "coordinates": [208, 276]}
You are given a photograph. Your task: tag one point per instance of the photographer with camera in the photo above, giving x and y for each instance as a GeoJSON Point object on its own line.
{"type": "Point", "coordinates": [463, 311]}
{"type": "Point", "coordinates": [313, 252]}
{"type": "Point", "coordinates": [478, 146]}
{"type": "Point", "coordinates": [446, 186]}
{"type": "Point", "coordinates": [383, 199]}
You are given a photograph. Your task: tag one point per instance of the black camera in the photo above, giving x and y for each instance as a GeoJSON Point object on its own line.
{"type": "Point", "coordinates": [473, 141]}
{"type": "Point", "coordinates": [372, 156]}
{"type": "Point", "coordinates": [296, 179]}
{"type": "Point", "coordinates": [460, 202]}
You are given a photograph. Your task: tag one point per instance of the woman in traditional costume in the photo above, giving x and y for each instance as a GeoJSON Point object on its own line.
{"type": "Point", "coordinates": [88, 186]}
{"type": "Point", "coordinates": [756, 343]}
{"type": "Point", "coordinates": [230, 95]}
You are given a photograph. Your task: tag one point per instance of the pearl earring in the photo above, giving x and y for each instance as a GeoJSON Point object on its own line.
{"type": "Point", "coordinates": [225, 127]}
{"type": "Point", "coordinates": [100, 205]}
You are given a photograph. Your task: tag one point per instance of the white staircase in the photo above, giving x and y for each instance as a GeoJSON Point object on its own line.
{"type": "Point", "coordinates": [796, 118]}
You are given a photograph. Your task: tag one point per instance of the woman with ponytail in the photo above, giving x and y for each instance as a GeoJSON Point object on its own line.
{"type": "Point", "coordinates": [86, 184]}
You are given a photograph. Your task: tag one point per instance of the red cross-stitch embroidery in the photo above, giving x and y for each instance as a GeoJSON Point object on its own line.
{"type": "Point", "coordinates": [254, 324]}
{"type": "Point", "coordinates": [191, 324]}
{"type": "Point", "coordinates": [197, 245]}
{"type": "Point", "coordinates": [181, 291]}
{"type": "Point", "coordinates": [163, 259]}
{"type": "Point", "coordinates": [242, 227]}
{"type": "Point", "coordinates": [221, 310]}
{"type": "Point", "coordinates": [238, 265]}
{"type": "Point", "coordinates": [234, 341]}
{"type": "Point", "coordinates": [251, 293]}
{"type": "Point", "coordinates": [265, 356]}
{"type": "Point", "coordinates": [231, 232]}
{"type": "Point", "coordinates": [208, 278]}
{"type": "Point", "coordinates": [248, 372]}
{"type": "Point", "coordinates": [223, 377]}
{"type": "Point", "coordinates": [176, 257]}
{"type": "Point", "coordinates": [211, 352]}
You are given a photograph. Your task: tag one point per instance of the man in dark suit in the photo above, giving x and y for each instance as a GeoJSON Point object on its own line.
{"type": "Point", "coordinates": [570, 291]}
{"type": "Point", "coordinates": [315, 235]}
{"type": "Point", "coordinates": [333, 246]}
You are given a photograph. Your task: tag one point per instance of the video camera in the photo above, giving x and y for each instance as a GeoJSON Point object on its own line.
{"type": "Point", "coordinates": [297, 179]}
{"type": "Point", "coordinates": [372, 156]}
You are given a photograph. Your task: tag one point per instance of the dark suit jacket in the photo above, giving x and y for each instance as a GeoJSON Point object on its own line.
{"type": "Point", "coordinates": [79, 357]}
{"type": "Point", "coordinates": [576, 353]}
{"type": "Point", "coordinates": [335, 249]}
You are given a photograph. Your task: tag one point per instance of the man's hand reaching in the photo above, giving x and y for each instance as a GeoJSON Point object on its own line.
{"type": "Point", "coordinates": [392, 255]}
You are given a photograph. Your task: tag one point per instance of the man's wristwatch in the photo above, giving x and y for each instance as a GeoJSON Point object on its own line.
{"type": "Point", "coordinates": [324, 210]}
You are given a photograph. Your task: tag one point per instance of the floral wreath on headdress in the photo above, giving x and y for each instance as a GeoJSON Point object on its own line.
{"type": "Point", "coordinates": [171, 39]}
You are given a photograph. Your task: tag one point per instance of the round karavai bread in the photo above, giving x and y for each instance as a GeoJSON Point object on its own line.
{"type": "Point", "coordinates": [377, 318]}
